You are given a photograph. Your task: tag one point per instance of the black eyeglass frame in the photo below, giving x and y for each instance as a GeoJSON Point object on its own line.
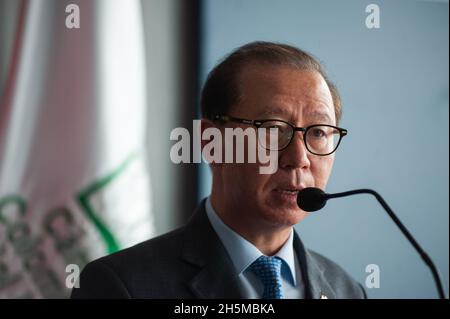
{"type": "Point", "coordinates": [257, 123]}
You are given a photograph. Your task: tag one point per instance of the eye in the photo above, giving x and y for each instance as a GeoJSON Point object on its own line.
{"type": "Point", "coordinates": [275, 126]}
{"type": "Point", "coordinates": [279, 127]}
{"type": "Point", "coordinates": [317, 132]}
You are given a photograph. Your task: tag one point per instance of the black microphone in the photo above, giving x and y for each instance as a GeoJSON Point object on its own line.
{"type": "Point", "coordinates": [312, 199]}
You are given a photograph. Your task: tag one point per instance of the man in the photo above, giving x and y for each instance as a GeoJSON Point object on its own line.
{"type": "Point", "coordinates": [240, 243]}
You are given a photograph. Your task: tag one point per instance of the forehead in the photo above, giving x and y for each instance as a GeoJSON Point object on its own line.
{"type": "Point", "coordinates": [284, 91]}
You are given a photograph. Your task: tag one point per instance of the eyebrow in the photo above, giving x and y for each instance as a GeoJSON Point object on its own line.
{"type": "Point", "coordinates": [320, 116]}
{"type": "Point", "coordinates": [314, 115]}
{"type": "Point", "coordinates": [273, 110]}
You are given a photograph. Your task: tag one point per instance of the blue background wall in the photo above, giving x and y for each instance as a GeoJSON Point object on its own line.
{"type": "Point", "coordinates": [394, 86]}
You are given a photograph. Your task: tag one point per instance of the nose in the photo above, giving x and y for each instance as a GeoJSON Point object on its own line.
{"type": "Point", "coordinates": [295, 155]}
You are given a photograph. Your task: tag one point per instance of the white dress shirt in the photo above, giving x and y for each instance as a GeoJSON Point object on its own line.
{"type": "Point", "coordinates": [243, 254]}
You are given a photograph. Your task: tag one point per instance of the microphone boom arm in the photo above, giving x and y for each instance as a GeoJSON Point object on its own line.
{"type": "Point", "coordinates": [403, 229]}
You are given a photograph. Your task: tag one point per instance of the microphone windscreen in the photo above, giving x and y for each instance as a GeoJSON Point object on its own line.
{"type": "Point", "coordinates": [311, 199]}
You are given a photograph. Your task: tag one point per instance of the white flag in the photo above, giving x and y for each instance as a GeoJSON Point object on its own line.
{"type": "Point", "coordinates": [73, 178]}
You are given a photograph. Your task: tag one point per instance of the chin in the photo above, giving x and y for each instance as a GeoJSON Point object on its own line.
{"type": "Point", "coordinates": [286, 217]}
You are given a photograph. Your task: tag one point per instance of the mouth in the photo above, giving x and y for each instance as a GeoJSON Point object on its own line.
{"type": "Point", "coordinates": [289, 191]}
{"type": "Point", "coordinates": [286, 196]}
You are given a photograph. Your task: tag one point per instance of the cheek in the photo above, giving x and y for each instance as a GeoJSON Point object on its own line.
{"type": "Point", "coordinates": [321, 170]}
{"type": "Point", "coordinates": [245, 178]}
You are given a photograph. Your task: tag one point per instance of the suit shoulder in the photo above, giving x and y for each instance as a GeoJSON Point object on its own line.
{"type": "Point", "coordinates": [163, 246]}
{"type": "Point", "coordinates": [98, 280]}
{"type": "Point", "coordinates": [134, 271]}
{"type": "Point", "coordinates": [143, 255]}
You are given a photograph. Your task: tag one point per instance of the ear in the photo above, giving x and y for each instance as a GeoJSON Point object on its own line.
{"type": "Point", "coordinates": [204, 125]}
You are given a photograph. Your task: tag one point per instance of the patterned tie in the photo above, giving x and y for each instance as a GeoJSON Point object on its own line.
{"type": "Point", "coordinates": [268, 270]}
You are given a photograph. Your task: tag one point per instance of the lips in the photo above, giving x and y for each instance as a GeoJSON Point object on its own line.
{"type": "Point", "coordinates": [285, 196]}
{"type": "Point", "coordinates": [288, 191]}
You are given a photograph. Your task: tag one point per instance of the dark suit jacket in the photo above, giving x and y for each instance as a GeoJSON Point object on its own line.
{"type": "Point", "coordinates": [191, 262]}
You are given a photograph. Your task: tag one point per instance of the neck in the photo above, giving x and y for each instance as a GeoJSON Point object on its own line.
{"type": "Point", "coordinates": [269, 243]}
{"type": "Point", "coordinates": [268, 238]}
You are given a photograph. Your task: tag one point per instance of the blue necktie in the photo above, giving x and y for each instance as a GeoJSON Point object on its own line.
{"type": "Point", "coordinates": [268, 270]}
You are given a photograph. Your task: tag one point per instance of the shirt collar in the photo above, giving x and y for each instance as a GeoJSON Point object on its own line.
{"type": "Point", "coordinates": [242, 252]}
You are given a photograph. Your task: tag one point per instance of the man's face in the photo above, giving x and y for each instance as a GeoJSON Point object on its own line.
{"type": "Point", "coordinates": [301, 98]}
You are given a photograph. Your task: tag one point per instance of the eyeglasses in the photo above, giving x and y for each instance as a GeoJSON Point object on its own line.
{"type": "Point", "coordinates": [319, 139]}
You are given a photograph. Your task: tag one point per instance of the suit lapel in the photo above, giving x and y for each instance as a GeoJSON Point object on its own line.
{"type": "Point", "coordinates": [203, 248]}
{"type": "Point", "coordinates": [317, 287]}
{"type": "Point", "coordinates": [216, 278]}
